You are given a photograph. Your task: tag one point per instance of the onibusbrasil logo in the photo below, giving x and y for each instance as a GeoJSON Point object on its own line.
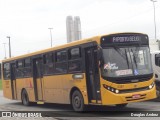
{"type": "Point", "coordinates": [21, 114]}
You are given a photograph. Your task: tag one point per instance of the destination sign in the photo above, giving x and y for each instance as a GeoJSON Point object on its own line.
{"type": "Point", "coordinates": [124, 39]}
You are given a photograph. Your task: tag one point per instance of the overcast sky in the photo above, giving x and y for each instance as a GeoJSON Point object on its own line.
{"type": "Point", "coordinates": [27, 21]}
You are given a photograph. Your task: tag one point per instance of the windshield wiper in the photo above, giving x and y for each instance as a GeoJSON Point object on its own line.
{"type": "Point", "coordinates": [135, 57]}
{"type": "Point", "coordinates": [124, 55]}
{"type": "Point", "coordinates": [127, 58]}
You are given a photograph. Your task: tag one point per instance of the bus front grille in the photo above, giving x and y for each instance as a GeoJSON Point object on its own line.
{"type": "Point", "coordinates": [125, 81]}
{"type": "Point", "coordinates": [132, 98]}
{"type": "Point", "coordinates": [133, 90]}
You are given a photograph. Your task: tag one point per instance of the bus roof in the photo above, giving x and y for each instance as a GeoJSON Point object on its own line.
{"type": "Point", "coordinates": [78, 42]}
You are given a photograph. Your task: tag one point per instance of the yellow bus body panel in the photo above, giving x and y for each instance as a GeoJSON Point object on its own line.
{"type": "Point", "coordinates": [109, 97]}
{"type": "Point", "coordinates": [7, 91]}
{"type": "Point", "coordinates": [57, 88]}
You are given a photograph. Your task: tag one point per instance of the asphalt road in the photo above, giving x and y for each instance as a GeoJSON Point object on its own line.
{"type": "Point", "coordinates": [64, 112]}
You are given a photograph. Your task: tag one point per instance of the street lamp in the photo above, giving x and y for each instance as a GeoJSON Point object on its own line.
{"type": "Point", "coordinates": [154, 19]}
{"type": "Point", "coordinates": [51, 34]}
{"type": "Point", "coordinates": [9, 46]}
{"type": "Point", "coordinates": [4, 50]}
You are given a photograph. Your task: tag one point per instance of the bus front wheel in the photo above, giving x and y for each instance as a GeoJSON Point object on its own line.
{"type": "Point", "coordinates": [158, 90]}
{"type": "Point", "coordinates": [25, 98]}
{"type": "Point", "coordinates": [77, 101]}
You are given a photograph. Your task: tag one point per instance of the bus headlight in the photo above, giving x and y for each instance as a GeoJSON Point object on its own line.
{"type": "Point", "coordinates": [111, 89]}
{"type": "Point", "coordinates": [117, 91]}
{"type": "Point", "coordinates": [108, 88]}
{"type": "Point", "coordinates": [151, 86]}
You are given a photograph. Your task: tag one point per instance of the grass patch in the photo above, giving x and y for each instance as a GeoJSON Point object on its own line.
{"type": "Point", "coordinates": [0, 84]}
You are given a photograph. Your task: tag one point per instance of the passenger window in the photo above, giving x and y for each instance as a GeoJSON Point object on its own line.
{"type": "Point", "coordinates": [6, 70]}
{"type": "Point", "coordinates": [61, 62]}
{"type": "Point", "coordinates": [48, 64]}
{"type": "Point", "coordinates": [61, 67]}
{"type": "Point", "coordinates": [74, 53]}
{"type": "Point", "coordinates": [74, 66]}
{"type": "Point", "coordinates": [20, 70]}
{"type": "Point", "coordinates": [49, 58]}
{"type": "Point", "coordinates": [61, 56]}
{"type": "Point", "coordinates": [20, 64]}
{"type": "Point", "coordinates": [27, 62]}
{"type": "Point", "coordinates": [75, 63]}
{"type": "Point", "coordinates": [27, 67]}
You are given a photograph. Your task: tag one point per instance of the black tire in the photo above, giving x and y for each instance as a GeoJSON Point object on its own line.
{"type": "Point", "coordinates": [25, 98]}
{"type": "Point", "coordinates": [158, 93]}
{"type": "Point", "coordinates": [121, 105]}
{"type": "Point", "coordinates": [77, 101]}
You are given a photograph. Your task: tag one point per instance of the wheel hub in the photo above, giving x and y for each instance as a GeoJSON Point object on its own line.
{"type": "Point", "coordinates": [77, 101]}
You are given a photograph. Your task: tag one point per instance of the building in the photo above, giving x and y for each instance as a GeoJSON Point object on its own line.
{"type": "Point", "coordinates": [70, 29]}
{"type": "Point", "coordinates": [73, 28]}
{"type": "Point", "coordinates": [77, 28]}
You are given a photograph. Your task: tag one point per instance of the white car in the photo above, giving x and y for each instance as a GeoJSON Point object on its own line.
{"type": "Point", "coordinates": [155, 56]}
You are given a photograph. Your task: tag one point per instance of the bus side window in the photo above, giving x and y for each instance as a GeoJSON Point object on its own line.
{"type": "Point", "coordinates": [6, 71]}
{"type": "Point", "coordinates": [74, 53]}
{"type": "Point", "coordinates": [61, 56]}
{"type": "Point", "coordinates": [74, 64]}
{"type": "Point", "coordinates": [19, 69]}
{"type": "Point", "coordinates": [61, 61]}
{"type": "Point", "coordinates": [27, 67]}
{"type": "Point", "coordinates": [48, 63]}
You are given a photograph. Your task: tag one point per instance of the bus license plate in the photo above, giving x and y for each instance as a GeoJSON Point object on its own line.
{"type": "Point", "coordinates": [136, 96]}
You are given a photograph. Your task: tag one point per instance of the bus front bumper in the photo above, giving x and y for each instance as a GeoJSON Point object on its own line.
{"type": "Point", "coordinates": [110, 98]}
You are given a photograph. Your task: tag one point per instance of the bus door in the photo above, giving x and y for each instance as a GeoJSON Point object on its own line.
{"type": "Point", "coordinates": [92, 75]}
{"type": "Point", "coordinates": [13, 80]}
{"type": "Point", "coordinates": [38, 78]}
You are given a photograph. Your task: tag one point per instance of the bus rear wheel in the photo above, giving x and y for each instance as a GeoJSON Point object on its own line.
{"type": "Point", "coordinates": [77, 101]}
{"type": "Point", "coordinates": [121, 105]}
{"type": "Point", "coordinates": [25, 98]}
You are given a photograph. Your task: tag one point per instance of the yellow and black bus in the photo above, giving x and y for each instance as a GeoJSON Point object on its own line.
{"type": "Point", "coordinates": [113, 69]}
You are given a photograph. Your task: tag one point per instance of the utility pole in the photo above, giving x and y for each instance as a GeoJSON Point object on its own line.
{"type": "Point", "coordinates": [154, 19]}
{"type": "Point", "coordinates": [51, 34]}
{"type": "Point", "coordinates": [9, 46]}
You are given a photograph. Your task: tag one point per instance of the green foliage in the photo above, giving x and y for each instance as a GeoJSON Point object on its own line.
{"type": "Point", "coordinates": [0, 84]}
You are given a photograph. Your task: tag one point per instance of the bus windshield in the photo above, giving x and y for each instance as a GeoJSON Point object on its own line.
{"type": "Point", "coordinates": [126, 61]}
